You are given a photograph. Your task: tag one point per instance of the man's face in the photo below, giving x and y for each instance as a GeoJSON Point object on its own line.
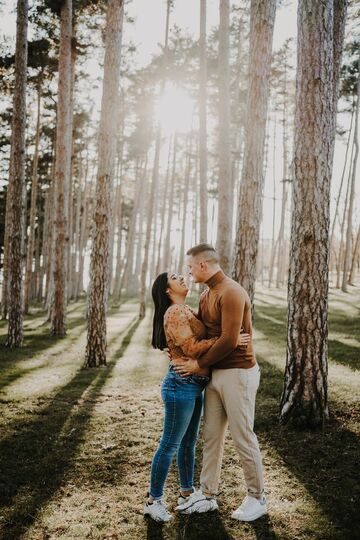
{"type": "Point", "coordinates": [196, 267]}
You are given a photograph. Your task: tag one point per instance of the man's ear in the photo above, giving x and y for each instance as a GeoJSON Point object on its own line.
{"type": "Point", "coordinates": [202, 265]}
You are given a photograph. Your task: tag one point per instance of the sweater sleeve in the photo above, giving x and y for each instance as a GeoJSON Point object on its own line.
{"type": "Point", "coordinates": [179, 329]}
{"type": "Point", "coordinates": [232, 306]}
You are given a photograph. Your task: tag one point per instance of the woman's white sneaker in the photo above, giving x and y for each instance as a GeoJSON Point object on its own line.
{"type": "Point", "coordinates": [250, 509]}
{"type": "Point", "coordinates": [157, 511]}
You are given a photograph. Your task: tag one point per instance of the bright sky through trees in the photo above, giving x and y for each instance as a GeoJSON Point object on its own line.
{"type": "Point", "coordinates": [174, 110]}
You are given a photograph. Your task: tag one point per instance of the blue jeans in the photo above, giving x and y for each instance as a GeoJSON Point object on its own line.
{"type": "Point", "coordinates": [183, 400]}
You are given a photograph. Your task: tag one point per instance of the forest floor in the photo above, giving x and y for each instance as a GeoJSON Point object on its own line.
{"type": "Point", "coordinates": [76, 445]}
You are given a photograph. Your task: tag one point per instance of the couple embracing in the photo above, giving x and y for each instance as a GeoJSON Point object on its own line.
{"type": "Point", "coordinates": [210, 350]}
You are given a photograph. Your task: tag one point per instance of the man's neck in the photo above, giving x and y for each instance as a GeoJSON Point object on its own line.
{"type": "Point", "coordinates": [212, 273]}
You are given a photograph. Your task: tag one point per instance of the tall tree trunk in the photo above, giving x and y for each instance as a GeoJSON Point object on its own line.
{"type": "Point", "coordinates": [352, 191]}
{"type": "Point", "coordinates": [343, 223]}
{"type": "Point", "coordinates": [130, 244]}
{"type": "Point", "coordinates": [95, 354]}
{"type": "Point", "coordinates": [342, 178]}
{"type": "Point", "coordinates": [15, 199]}
{"type": "Point", "coordinates": [304, 398]}
{"type": "Point", "coordinates": [202, 124]}
{"type": "Point", "coordinates": [149, 222]}
{"type": "Point", "coordinates": [34, 182]}
{"type": "Point", "coordinates": [273, 243]}
{"type": "Point", "coordinates": [224, 228]}
{"type": "Point", "coordinates": [185, 205]}
{"type": "Point", "coordinates": [84, 230]}
{"type": "Point", "coordinates": [167, 255]}
{"type": "Point", "coordinates": [262, 18]}
{"type": "Point", "coordinates": [62, 171]}
{"type": "Point", "coordinates": [135, 281]}
{"type": "Point", "coordinates": [163, 212]}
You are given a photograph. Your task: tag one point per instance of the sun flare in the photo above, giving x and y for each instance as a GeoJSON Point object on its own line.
{"type": "Point", "coordinates": [174, 110]}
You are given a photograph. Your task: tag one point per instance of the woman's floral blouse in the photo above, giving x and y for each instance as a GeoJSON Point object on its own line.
{"type": "Point", "coordinates": [185, 333]}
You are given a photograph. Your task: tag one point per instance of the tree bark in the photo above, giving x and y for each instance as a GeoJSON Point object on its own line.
{"type": "Point", "coordinates": [15, 198]}
{"type": "Point", "coordinates": [304, 399]}
{"type": "Point", "coordinates": [224, 227]}
{"type": "Point", "coordinates": [345, 277]}
{"type": "Point", "coordinates": [167, 254]}
{"type": "Point", "coordinates": [262, 18]}
{"type": "Point", "coordinates": [202, 124]}
{"type": "Point", "coordinates": [95, 354]}
{"type": "Point", "coordinates": [31, 238]}
{"type": "Point", "coordinates": [62, 172]}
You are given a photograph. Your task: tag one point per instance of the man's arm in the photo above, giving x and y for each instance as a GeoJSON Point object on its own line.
{"type": "Point", "coordinates": [232, 313]}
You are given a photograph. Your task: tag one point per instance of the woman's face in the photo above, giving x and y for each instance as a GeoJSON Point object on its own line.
{"type": "Point", "coordinates": [176, 284]}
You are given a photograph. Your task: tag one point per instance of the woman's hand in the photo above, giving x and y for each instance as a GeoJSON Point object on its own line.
{"type": "Point", "coordinates": [243, 340]}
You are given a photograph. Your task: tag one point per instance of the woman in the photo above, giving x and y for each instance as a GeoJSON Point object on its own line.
{"type": "Point", "coordinates": [176, 327]}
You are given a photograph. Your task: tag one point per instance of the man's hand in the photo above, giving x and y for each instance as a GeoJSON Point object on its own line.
{"type": "Point", "coordinates": [186, 366]}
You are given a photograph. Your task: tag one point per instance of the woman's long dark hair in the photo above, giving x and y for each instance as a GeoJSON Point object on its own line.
{"type": "Point", "coordinates": [162, 303]}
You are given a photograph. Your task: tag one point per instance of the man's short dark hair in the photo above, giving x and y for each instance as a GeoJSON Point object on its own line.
{"type": "Point", "coordinates": [208, 250]}
{"type": "Point", "coordinates": [200, 248]}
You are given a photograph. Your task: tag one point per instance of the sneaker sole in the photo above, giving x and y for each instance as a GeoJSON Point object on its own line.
{"type": "Point", "coordinates": [192, 510]}
{"type": "Point", "coordinates": [253, 517]}
{"type": "Point", "coordinates": [158, 520]}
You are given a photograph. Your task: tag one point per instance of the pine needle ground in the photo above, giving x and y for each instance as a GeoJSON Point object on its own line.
{"type": "Point", "coordinates": [76, 445]}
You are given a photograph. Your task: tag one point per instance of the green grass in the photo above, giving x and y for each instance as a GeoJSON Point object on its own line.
{"type": "Point", "coordinates": [76, 445]}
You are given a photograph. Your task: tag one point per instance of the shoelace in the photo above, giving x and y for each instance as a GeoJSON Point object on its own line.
{"type": "Point", "coordinates": [162, 509]}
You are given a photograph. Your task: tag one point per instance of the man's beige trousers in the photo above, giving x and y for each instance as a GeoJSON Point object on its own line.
{"type": "Point", "coordinates": [230, 400]}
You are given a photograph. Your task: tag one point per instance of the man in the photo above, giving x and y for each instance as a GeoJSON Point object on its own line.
{"type": "Point", "coordinates": [225, 310]}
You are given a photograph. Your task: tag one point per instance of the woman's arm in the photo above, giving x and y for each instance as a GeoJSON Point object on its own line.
{"type": "Point", "coordinates": [179, 328]}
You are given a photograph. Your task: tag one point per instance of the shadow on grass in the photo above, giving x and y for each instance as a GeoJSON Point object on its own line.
{"type": "Point", "coordinates": [271, 321]}
{"type": "Point", "coordinates": [36, 458]}
{"type": "Point", "coordinates": [37, 344]}
{"type": "Point", "coordinates": [325, 462]}
{"type": "Point", "coordinates": [344, 354]}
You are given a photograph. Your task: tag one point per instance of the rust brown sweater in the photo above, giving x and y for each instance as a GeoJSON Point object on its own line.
{"type": "Point", "coordinates": [225, 309]}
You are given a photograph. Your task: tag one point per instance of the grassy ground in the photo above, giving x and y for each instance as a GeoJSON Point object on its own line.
{"type": "Point", "coordinates": [76, 445]}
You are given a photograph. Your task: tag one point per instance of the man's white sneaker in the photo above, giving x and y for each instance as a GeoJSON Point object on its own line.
{"type": "Point", "coordinates": [157, 511]}
{"type": "Point", "coordinates": [197, 503]}
{"type": "Point", "coordinates": [250, 509]}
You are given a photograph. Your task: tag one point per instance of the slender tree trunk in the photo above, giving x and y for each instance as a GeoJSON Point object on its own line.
{"type": "Point", "coordinates": [273, 243]}
{"type": "Point", "coordinates": [202, 125]}
{"type": "Point", "coordinates": [163, 212]}
{"type": "Point", "coordinates": [352, 191]}
{"type": "Point", "coordinates": [30, 246]}
{"type": "Point", "coordinates": [224, 228]}
{"type": "Point", "coordinates": [150, 217]}
{"type": "Point", "coordinates": [167, 255]}
{"type": "Point", "coordinates": [342, 178]}
{"type": "Point", "coordinates": [342, 225]}
{"type": "Point", "coordinates": [354, 258]}
{"type": "Point", "coordinates": [45, 233]}
{"type": "Point", "coordinates": [185, 205]}
{"type": "Point", "coordinates": [130, 244]}
{"type": "Point", "coordinates": [95, 354]}
{"type": "Point", "coordinates": [247, 238]}
{"type": "Point", "coordinates": [84, 228]}
{"type": "Point", "coordinates": [62, 171]}
{"type": "Point", "coordinates": [15, 200]}
{"type": "Point", "coordinates": [304, 398]}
